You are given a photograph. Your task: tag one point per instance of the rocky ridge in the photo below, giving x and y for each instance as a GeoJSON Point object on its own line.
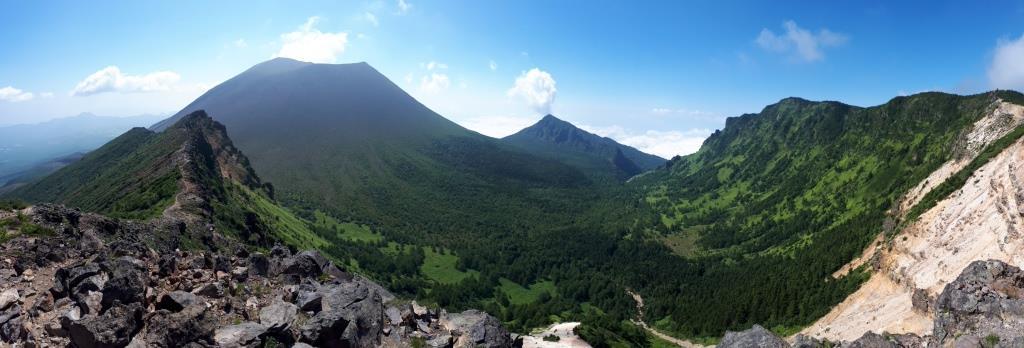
{"type": "Point", "coordinates": [77, 279]}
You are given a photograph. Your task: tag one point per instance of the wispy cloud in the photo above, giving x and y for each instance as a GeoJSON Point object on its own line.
{"type": "Point", "coordinates": [493, 65]}
{"type": "Point", "coordinates": [432, 65]}
{"type": "Point", "coordinates": [370, 17]}
{"type": "Point", "coordinates": [801, 43]}
{"type": "Point", "coordinates": [1007, 67]}
{"type": "Point", "coordinates": [310, 44]}
{"type": "Point", "coordinates": [434, 83]}
{"type": "Point", "coordinates": [404, 7]}
{"type": "Point", "coordinates": [14, 95]}
{"type": "Point", "coordinates": [240, 43]}
{"type": "Point", "coordinates": [111, 79]}
{"type": "Point", "coordinates": [662, 111]}
{"type": "Point", "coordinates": [537, 88]}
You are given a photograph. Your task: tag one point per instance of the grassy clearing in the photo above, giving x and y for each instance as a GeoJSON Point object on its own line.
{"type": "Point", "coordinates": [347, 230]}
{"type": "Point", "coordinates": [683, 243]}
{"type": "Point", "coordinates": [517, 294]}
{"type": "Point", "coordinates": [440, 267]}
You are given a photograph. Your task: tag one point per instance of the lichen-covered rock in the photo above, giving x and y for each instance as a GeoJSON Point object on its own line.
{"type": "Point", "coordinates": [241, 335]}
{"type": "Point", "coordinates": [756, 336]}
{"type": "Point", "coordinates": [986, 301]}
{"type": "Point", "coordinates": [477, 329]}
{"type": "Point", "coordinates": [278, 316]}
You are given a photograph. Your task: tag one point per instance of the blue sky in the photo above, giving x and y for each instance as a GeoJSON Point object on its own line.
{"type": "Point", "coordinates": [656, 75]}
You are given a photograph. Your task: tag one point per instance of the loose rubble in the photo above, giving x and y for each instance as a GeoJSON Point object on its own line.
{"type": "Point", "coordinates": [99, 282]}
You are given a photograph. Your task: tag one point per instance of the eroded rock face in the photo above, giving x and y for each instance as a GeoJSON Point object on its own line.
{"type": "Point", "coordinates": [95, 283]}
{"type": "Point", "coordinates": [985, 303]}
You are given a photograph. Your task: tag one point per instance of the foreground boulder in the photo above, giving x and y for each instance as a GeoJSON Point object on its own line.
{"type": "Point", "coordinates": [984, 305]}
{"type": "Point", "coordinates": [477, 329]}
{"type": "Point", "coordinates": [115, 328]}
{"type": "Point", "coordinates": [756, 336]}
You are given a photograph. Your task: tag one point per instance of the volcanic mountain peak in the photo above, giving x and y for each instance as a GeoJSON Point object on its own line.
{"type": "Point", "coordinates": [554, 137]}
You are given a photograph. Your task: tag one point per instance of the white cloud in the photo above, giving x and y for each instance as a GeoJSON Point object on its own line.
{"type": "Point", "coordinates": [1007, 67]}
{"type": "Point", "coordinates": [537, 88]}
{"type": "Point", "coordinates": [370, 17]}
{"type": "Point", "coordinates": [110, 79]}
{"type": "Point", "coordinates": [14, 95]}
{"type": "Point", "coordinates": [803, 44]}
{"type": "Point", "coordinates": [666, 144]}
{"type": "Point", "coordinates": [240, 43]}
{"type": "Point", "coordinates": [498, 126]}
{"type": "Point", "coordinates": [431, 65]}
{"type": "Point", "coordinates": [404, 7]}
{"type": "Point", "coordinates": [311, 45]}
{"type": "Point", "coordinates": [434, 83]}
{"type": "Point", "coordinates": [46, 94]}
{"type": "Point", "coordinates": [493, 65]}
{"type": "Point", "coordinates": [685, 112]}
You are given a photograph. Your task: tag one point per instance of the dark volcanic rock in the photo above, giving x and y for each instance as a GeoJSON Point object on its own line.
{"type": "Point", "coordinates": [278, 316]}
{"type": "Point", "coordinates": [176, 300]}
{"type": "Point", "coordinates": [114, 328]}
{"type": "Point", "coordinates": [192, 325]}
{"type": "Point", "coordinates": [478, 329]}
{"type": "Point", "coordinates": [352, 316]}
{"type": "Point", "coordinates": [756, 336]}
{"type": "Point", "coordinates": [985, 301]}
{"type": "Point", "coordinates": [127, 284]}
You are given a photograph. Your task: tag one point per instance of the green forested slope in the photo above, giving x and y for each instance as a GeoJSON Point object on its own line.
{"type": "Point", "coordinates": [775, 202]}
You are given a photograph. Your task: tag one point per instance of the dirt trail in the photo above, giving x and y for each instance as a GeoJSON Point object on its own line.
{"type": "Point", "coordinates": [640, 321]}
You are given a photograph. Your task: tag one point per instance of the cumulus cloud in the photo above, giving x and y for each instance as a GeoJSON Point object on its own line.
{"type": "Point", "coordinates": [434, 83]}
{"type": "Point", "coordinates": [801, 43]}
{"type": "Point", "coordinates": [404, 7]}
{"type": "Point", "coordinates": [537, 88]}
{"type": "Point", "coordinates": [311, 45]}
{"type": "Point", "coordinates": [1007, 67]}
{"type": "Point", "coordinates": [111, 79]}
{"type": "Point", "coordinates": [14, 95]}
{"type": "Point", "coordinates": [370, 17]}
{"type": "Point", "coordinates": [666, 144]}
{"type": "Point", "coordinates": [493, 65]}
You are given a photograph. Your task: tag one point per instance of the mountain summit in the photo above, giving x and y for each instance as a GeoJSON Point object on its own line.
{"type": "Point", "coordinates": [553, 137]}
{"type": "Point", "coordinates": [343, 139]}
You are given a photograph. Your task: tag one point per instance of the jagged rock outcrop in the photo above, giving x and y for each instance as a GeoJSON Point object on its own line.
{"type": "Point", "coordinates": [90, 281]}
{"type": "Point", "coordinates": [985, 304]}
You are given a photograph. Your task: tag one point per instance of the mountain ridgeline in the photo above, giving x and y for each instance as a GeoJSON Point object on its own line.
{"type": "Point", "coordinates": [190, 172]}
{"type": "Point", "coordinates": [555, 138]}
{"type": "Point", "coordinates": [541, 225]}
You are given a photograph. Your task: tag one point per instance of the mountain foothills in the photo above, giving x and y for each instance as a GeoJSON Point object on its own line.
{"type": "Point", "coordinates": [31, 151]}
{"type": "Point", "coordinates": [552, 223]}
